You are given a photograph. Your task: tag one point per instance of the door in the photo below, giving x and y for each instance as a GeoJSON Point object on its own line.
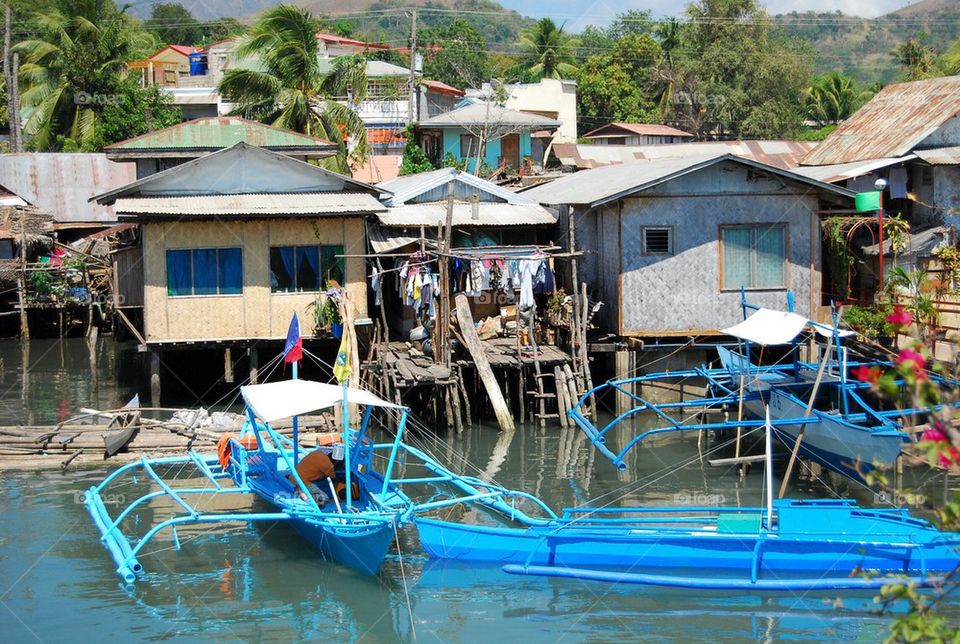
{"type": "Point", "coordinates": [510, 151]}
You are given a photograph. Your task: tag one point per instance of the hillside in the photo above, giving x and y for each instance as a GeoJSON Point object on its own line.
{"type": "Point", "coordinates": [863, 47]}
{"type": "Point", "coordinates": [378, 20]}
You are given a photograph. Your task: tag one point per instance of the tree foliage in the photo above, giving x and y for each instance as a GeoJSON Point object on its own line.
{"type": "Point", "coordinates": [455, 54]}
{"type": "Point", "coordinates": [548, 50]}
{"type": "Point", "coordinates": [615, 86]}
{"type": "Point", "coordinates": [73, 71]}
{"type": "Point", "coordinates": [831, 98]}
{"type": "Point", "coordinates": [173, 24]}
{"type": "Point", "coordinates": [280, 82]}
{"type": "Point", "coordinates": [414, 158]}
{"type": "Point", "coordinates": [735, 78]}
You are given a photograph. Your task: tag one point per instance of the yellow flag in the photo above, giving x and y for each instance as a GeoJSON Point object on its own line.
{"type": "Point", "coordinates": [341, 367]}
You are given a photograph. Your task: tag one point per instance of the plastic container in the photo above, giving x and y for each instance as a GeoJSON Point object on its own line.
{"type": "Point", "coordinates": [198, 64]}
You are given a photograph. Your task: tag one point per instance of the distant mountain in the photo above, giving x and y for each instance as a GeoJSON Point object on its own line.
{"type": "Point", "coordinates": [863, 47]}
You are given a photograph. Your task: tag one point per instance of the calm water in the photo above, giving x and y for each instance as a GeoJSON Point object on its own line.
{"type": "Point", "coordinates": [264, 584]}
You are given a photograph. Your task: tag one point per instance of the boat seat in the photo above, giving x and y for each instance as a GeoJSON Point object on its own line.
{"type": "Point", "coordinates": [739, 523]}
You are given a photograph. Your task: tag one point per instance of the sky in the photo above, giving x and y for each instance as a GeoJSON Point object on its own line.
{"type": "Point", "coordinates": [580, 13]}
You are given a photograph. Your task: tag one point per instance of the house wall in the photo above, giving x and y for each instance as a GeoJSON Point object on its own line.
{"type": "Point", "coordinates": [598, 235]}
{"type": "Point", "coordinates": [946, 192]}
{"type": "Point", "coordinates": [256, 313]}
{"type": "Point", "coordinates": [549, 97]}
{"type": "Point", "coordinates": [638, 139]}
{"type": "Point", "coordinates": [680, 294]}
{"type": "Point", "coordinates": [946, 135]}
{"type": "Point", "coordinates": [451, 144]}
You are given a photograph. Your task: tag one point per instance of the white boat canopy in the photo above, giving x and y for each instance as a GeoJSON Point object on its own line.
{"type": "Point", "coordinates": [275, 400]}
{"type": "Point", "coordinates": [766, 326]}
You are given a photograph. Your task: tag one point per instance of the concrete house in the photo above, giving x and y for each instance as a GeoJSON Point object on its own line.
{"type": "Point", "coordinates": [236, 241]}
{"type": "Point", "coordinates": [668, 244]}
{"type": "Point", "coordinates": [506, 133]}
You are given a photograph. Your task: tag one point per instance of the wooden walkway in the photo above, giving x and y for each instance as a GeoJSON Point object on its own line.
{"type": "Point", "coordinates": [502, 354]}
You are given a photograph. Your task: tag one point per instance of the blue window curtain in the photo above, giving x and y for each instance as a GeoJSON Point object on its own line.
{"type": "Point", "coordinates": [308, 268]}
{"type": "Point", "coordinates": [230, 271]}
{"type": "Point", "coordinates": [205, 271]}
{"type": "Point", "coordinates": [754, 257]}
{"type": "Point", "coordinates": [179, 274]}
{"type": "Point", "coordinates": [333, 269]}
{"type": "Point", "coordinates": [281, 269]}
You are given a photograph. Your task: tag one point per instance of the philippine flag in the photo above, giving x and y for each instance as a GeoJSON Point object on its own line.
{"type": "Point", "coordinates": [293, 349]}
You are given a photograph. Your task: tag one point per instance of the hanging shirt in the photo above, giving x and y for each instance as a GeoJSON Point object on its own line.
{"type": "Point", "coordinates": [528, 271]}
{"type": "Point", "coordinates": [376, 283]}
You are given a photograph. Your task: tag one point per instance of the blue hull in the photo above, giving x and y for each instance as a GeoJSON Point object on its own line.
{"type": "Point", "coordinates": [362, 548]}
{"type": "Point", "coordinates": [814, 539]}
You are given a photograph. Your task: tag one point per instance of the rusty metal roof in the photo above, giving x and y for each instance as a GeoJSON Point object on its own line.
{"type": "Point", "coordinates": [641, 129]}
{"type": "Point", "coordinates": [62, 183]}
{"type": "Point", "coordinates": [940, 156]}
{"type": "Point", "coordinates": [782, 154]}
{"type": "Point", "coordinates": [297, 204]}
{"type": "Point", "coordinates": [892, 123]}
{"type": "Point", "coordinates": [216, 133]}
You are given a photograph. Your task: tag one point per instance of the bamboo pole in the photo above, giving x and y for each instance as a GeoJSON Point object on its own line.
{"type": "Point", "coordinates": [474, 346]}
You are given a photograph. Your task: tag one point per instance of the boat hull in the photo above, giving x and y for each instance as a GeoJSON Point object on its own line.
{"type": "Point", "coordinates": [845, 448]}
{"type": "Point", "coordinates": [361, 547]}
{"type": "Point", "coordinates": [851, 539]}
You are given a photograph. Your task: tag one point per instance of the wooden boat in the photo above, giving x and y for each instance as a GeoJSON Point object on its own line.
{"type": "Point", "coordinates": [123, 426]}
{"type": "Point", "coordinates": [259, 462]}
{"type": "Point", "coordinates": [789, 545]}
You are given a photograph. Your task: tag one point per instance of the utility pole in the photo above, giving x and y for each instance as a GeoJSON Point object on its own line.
{"type": "Point", "coordinates": [7, 76]}
{"type": "Point", "coordinates": [411, 112]}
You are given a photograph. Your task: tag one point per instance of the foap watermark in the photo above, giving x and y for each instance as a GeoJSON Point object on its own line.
{"type": "Point", "coordinates": [698, 499]}
{"type": "Point", "coordinates": [698, 98]}
{"type": "Point", "coordinates": [85, 98]}
{"type": "Point", "coordinates": [80, 498]}
{"type": "Point", "coordinates": [899, 499]}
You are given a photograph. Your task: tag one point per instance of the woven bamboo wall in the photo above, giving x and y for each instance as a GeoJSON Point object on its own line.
{"type": "Point", "coordinates": [257, 313]}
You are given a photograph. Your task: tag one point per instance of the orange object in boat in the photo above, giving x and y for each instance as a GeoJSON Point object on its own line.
{"type": "Point", "coordinates": [328, 439]}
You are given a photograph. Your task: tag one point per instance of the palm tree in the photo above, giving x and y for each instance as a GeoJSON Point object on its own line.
{"type": "Point", "coordinates": [280, 81]}
{"type": "Point", "coordinates": [832, 98]}
{"type": "Point", "coordinates": [549, 50]}
{"type": "Point", "coordinates": [668, 33]}
{"type": "Point", "coordinates": [72, 69]}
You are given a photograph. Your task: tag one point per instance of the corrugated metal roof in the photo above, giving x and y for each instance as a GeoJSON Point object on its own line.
{"type": "Point", "coordinates": [843, 171]}
{"type": "Point", "coordinates": [63, 183]}
{"type": "Point", "coordinates": [782, 154]}
{"type": "Point", "coordinates": [642, 129]}
{"type": "Point", "coordinates": [431, 186]}
{"type": "Point", "coordinates": [441, 88]}
{"type": "Point", "coordinates": [477, 114]}
{"type": "Point", "coordinates": [215, 133]}
{"type": "Point", "coordinates": [603, 185]}
{"type": "Point", "coordinates": [386, 240]}
{"type": "Point", "coordinates": [489, 214]}
{"type": "Point", "coordinates": [940, 156]}
{"type": "Point", "coordinates": [253, 205]}
{"type": "Point", "coordinates": [892, 123]}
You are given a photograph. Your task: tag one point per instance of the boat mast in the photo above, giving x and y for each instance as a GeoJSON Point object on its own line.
{"type": "Point", "coordinates": [768, 430]}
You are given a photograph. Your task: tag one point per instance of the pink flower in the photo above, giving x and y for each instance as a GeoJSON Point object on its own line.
{"type": "Point", "coordinates": [863, 373]}
{"type": "Point", "coordinates": [900, 316]}
{"type": "Point", "coordinates": [914, 362]}
{"type": "Point", "coordinates": [934, 435]}
{"type": "Point", "coordinates": [948, 456]}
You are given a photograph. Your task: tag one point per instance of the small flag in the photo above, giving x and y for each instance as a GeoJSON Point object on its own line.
{"type": "Point", "coordinates": [293, 349]}
{"type": "Point", "coordinates": [867, 201]}
{"type": "Point", "coordinates": [341, 367]}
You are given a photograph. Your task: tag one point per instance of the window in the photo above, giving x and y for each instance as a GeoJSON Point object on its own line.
{"type": "Point", "coordinates": [754, 256]}
{"type": "Point", "coordinates": [304, 268]}
{"type": "Point", "coordinates": [469, 144]}
{"type": "Point", "coordinates": [657, 240]}
{"type": "Point", "coordinates": [205, 271]}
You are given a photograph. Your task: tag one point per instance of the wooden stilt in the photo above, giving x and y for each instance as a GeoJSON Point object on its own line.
{"type": "Point", "coordinates": [154, 378]}
{"type": "Point", "coordinates": [228, 366]}
{"type": "Point", "coordinates": [254, 364]}
{"type": "Point", "coordinates": [466, 398]}
{"type": "Point", "coordinates": [584, 358]}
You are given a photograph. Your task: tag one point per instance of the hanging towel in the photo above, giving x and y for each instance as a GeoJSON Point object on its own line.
{"type": "Point", "coordinates": [898, 183]}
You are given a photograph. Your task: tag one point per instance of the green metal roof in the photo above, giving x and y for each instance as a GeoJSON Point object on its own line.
{"type": "Point", "coordinates": [216, 133]}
